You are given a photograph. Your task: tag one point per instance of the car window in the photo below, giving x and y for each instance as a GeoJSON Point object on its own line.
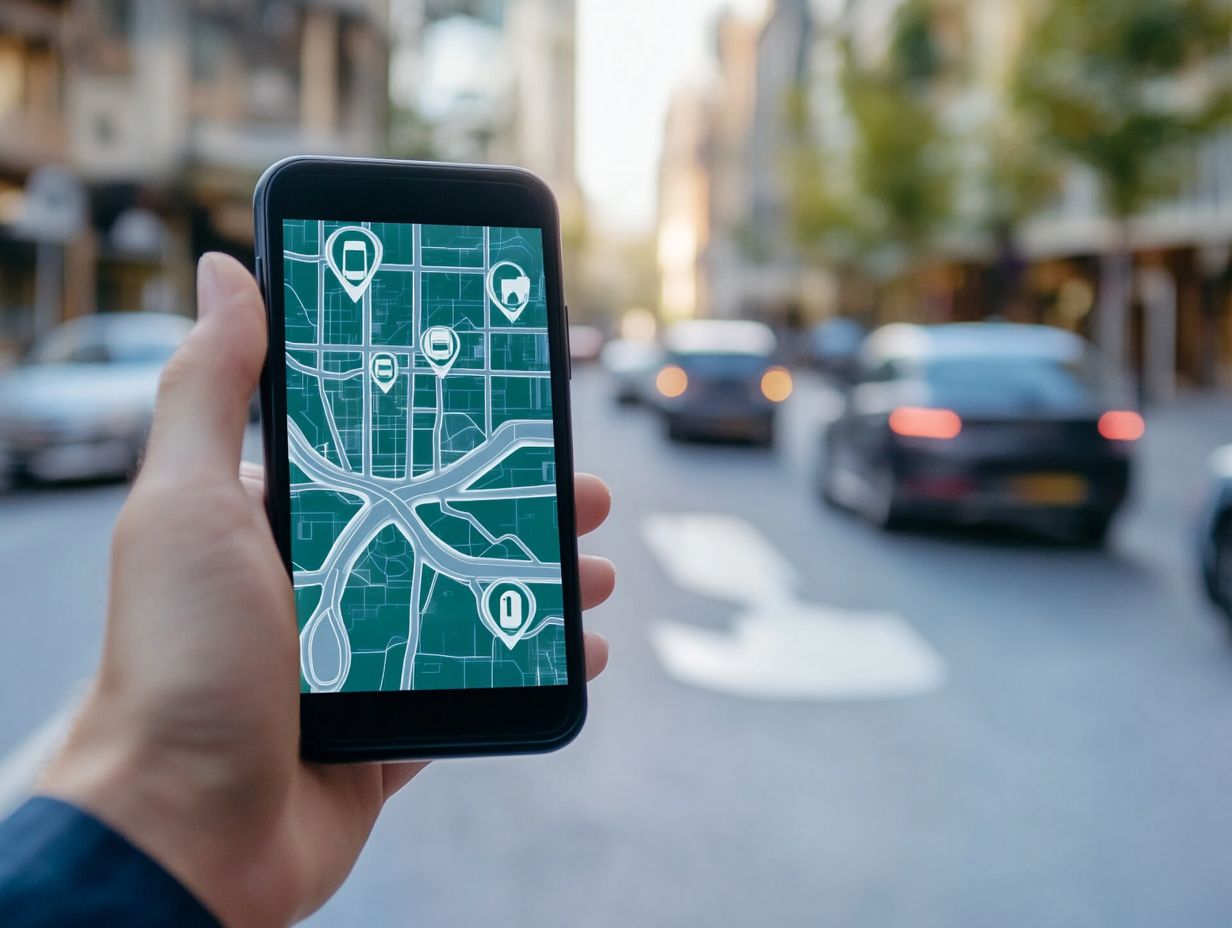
{"type": "Point", "coordinates": [1045, 381]}
{"type": "Point", "coordinates": [722, 364]}
{"type": "Point", "coordinates": [881, 370]}
{"type": "Point", "coordinates": [70, 344]}
{"type": "Point", "coordinates": [139, 350]}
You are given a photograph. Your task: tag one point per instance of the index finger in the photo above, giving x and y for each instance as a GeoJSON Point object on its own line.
{"type": "Point", "coordinates": [593, 500]}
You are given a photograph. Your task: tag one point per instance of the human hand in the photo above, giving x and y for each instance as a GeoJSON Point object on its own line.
{"type": "Point", "coordinates": [188, 743]}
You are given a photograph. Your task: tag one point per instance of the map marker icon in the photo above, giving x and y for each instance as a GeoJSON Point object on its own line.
{"type": "Point", "coordinates": [353, 253]}
{"type": "Point", "coordinates": [440, 345]}
{"type": "Point", "coordinates": [384, 370]}
{"type": "Point", "coordinates": [509, 288]}
{"type": "Point", "coordinates": [508, 609]}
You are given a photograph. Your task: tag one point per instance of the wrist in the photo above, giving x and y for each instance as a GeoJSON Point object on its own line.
{"type": "Point", "coordinates": [145, 793]}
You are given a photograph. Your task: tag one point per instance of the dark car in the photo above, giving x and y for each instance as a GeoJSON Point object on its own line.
{"type": "Point", "coordinates": [80, 404]}
{"type": "Point", "coordinates": [1215, 532]}
{"type": "Point", "coordinates": [720, 380]}
{"type": "Point", "coordinates": [982, 422]}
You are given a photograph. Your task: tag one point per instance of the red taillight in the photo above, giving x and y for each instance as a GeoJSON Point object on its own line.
{"type": "Point", "coordinates": [1121, 425]}
{"type": "Point", "coordinates": [921, 422]}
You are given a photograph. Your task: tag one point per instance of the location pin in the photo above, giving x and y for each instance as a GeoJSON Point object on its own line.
{"type": "Point", "coordinates": [509, 288]}
{"type": "Point", "coordinates": [440, 346]}
{"type": "Point", "coordinates": [508, 608]}
{"type": "Point", "coordinates": [353, 253]}
{"type": "Point", "coordinates": [384, 370]}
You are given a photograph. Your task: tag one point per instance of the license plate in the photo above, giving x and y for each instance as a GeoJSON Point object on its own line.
{"type": "Point", "coordinates": [1051, 489]}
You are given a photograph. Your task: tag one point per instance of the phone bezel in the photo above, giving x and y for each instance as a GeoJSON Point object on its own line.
{"type": "Point", "coordinates": [441, 723]}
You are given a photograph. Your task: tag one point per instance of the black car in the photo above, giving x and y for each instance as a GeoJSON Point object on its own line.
{"type": "Point", "coordinates": [1215, 532]}
{"type": "Point", "coordinates": [982, 422]}
{"type": "Point", "coordinates": [720, 380]}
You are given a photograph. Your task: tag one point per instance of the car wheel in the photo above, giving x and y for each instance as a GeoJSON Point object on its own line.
{"type": "Point", "coordinates": [1223, 567]}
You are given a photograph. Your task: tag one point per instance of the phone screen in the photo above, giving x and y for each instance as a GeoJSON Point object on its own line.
{"type": "Point", "coordinates": [424, 537]}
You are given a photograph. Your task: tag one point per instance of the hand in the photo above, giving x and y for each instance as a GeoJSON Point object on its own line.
{"type": "Point", "coordinates": [188, 742]}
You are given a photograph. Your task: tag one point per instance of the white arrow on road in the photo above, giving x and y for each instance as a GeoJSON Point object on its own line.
{"type": "Point", "coordinates": [780, 647]}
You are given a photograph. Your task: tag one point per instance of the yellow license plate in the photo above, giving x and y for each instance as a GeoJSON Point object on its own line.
{"type": "Point", "coordinates": [1051, 489]}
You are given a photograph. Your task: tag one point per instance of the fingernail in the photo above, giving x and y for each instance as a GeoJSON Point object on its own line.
{"type": "Point", "coordinates": [207, 284]}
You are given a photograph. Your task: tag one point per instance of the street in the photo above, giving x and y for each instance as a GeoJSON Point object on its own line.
{"type": "Point", "coordinates": [1026, 734]}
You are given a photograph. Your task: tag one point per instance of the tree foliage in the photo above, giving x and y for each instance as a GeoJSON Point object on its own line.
{"type": "Point", "coordinates": [1126, 86]}
{"type": "Point", "coordinates": [892, 191]}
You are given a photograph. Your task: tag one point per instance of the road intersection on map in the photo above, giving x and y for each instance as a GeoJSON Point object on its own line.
{"type": "Point", "coordinates": [422, 463]}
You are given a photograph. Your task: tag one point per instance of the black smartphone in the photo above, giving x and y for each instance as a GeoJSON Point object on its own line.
{"type": "Point", "coordinates": [419, 464]}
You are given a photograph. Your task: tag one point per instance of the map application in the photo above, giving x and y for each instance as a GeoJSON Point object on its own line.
{"type": "Point", "coordinates": [424, 537]}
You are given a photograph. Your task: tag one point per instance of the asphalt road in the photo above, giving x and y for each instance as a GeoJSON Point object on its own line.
{"type": "Point", "coordinates": [1063, 762]}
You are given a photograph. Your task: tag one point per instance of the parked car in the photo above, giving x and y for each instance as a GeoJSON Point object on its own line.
{"type": "Point", "coordinates": [632, 365]}
{"type": "Point", "coordinates": [983, 422]}
{"type": "Point", "coordinates": [720, 379]}
{"type": "Point", "coordinates": [834, 348]}
{"type": "Point", "coordinates": [80, 404]}
{"type": "Point", "coordinates": [1215, 532]}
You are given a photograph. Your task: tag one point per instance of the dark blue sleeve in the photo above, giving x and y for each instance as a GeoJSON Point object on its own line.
{"type": "Point", "coordinates": [62, 866]}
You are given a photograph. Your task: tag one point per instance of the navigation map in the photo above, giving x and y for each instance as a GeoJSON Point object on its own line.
{"type": "Point", "coordinates": [424, 536]}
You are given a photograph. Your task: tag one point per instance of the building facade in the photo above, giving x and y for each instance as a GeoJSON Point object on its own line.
{"type": "Point", "coordinates": [493, 82]}
{"type": "Point", "coordinates": [1045, 268]}
{"type": "Point", "coordinates": [155, 118]}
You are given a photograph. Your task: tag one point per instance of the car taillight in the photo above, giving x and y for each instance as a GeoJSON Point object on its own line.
{"type": "Point", "coordinates": [672, 381]}
{"type": "Point", "coordinates": [776, 384]}
{"type": "Point", "coordinates": [1121, 425]}
{"type": "Point", "coordinates": [922, 422]}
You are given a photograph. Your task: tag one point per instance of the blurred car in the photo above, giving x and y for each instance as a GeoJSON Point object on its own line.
{"type": "Point", "coordinates": [834, 347]}
{"type": "Point", "coordinates": [720, 379]}
{"type": "Point", "coordinates": [982, 422]}
{"type": "Point", "coordinates": [585, 343]}
{"type": "Point", "coordinates": [80, 404]}
{"type": "Point", "coordinates": [632, 365]}
{"type": "Point", "coordinates": [1215, 532]}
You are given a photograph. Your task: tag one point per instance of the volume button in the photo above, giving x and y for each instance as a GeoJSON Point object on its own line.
{"type": "Point", "coordinates": [259, 272]}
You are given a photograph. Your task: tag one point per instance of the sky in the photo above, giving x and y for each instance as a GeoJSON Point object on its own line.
{"type": "Point", "coordinates": [630, 56]}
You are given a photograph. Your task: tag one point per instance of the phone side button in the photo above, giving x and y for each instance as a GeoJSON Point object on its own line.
{"type": "Point", "coordinates": [568, 347]}
{"type": "Point", "coordinates": [259, 273]}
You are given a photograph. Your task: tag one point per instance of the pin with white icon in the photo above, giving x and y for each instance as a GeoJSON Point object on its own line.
{"type": "Point", "coordinates": [509, 288]}
{"type": "Point", "coordinates": [384, 370]}
{"type": "Point", "coordinates": [440, 345]}
{"type": "Point", "coordinates": [508, 608]}
{"type": "Point", "coordinates": [353, 253]}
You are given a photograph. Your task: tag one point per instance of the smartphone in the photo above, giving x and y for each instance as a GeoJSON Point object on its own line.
{"type": "Point", "coordinates": [419, 465]}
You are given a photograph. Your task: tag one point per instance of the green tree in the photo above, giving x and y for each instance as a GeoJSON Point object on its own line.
{"type": "Point", "coordinates": [901, 161]}
{"type": "Point", "coordinates": [871, 203]}
{"type": "Point", "coordinates": [1127, 88]}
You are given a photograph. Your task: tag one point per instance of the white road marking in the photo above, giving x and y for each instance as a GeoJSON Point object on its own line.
{"type": "Point", "coordinates": [20, 768]}
{"type": "Point", "coordinates": [780, 646]}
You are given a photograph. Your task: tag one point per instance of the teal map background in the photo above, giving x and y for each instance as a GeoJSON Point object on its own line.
{"type": "Point", "coordinates": [408, 503]}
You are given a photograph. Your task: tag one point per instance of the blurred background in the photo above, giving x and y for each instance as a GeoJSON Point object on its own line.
{"type": "Point", "coordinates": [903, 333]}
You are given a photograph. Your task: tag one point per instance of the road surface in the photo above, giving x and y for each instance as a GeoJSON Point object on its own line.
{"type": "Point", "coordinates": [1020, 734]}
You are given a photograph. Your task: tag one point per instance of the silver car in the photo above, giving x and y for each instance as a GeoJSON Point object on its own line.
{"type": "Point", "coordinates": [80, 405]}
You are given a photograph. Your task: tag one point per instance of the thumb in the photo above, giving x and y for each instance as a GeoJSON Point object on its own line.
{"type": "Point", "coordinates": [202, 406]}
